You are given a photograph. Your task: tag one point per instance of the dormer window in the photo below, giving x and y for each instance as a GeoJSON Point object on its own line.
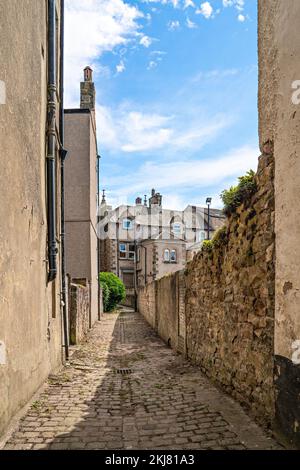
{"type": "Point", "coordinates": [127, 224]}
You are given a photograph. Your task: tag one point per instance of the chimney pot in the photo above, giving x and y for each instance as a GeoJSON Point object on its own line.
{"type": "Point", "coordinates": [88, 74]}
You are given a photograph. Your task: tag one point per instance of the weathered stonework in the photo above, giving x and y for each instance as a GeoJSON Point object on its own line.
{"type": "Point", "coordinates": [147, 303]}
{"type": "Point", "coordinates": [230, 302]}
{"type": "Point", "coordinates": [79, 304]}
{"type": "Point", "coordinates": [162, 303]}
{"type": "Point", "coordinates": [220, 310]}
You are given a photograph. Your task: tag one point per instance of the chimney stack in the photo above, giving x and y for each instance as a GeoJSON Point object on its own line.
{"type": "Point", "coordinates": [155, 199]}
{"type": "Point", "coordinates": [138, 201]}
{"type": "Point", "coordinates": [87, 90]}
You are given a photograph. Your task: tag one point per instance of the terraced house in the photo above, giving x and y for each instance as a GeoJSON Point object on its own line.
{"type": "Point", "coordinates": [144, 242]}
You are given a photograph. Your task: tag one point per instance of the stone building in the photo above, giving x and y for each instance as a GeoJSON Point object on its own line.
{"type": "Point", "coordinates": [31, 153]}
{"type": "Point", "coordinates": [144, 242]}
{"type": "Point", "coordinates": [81, 193]}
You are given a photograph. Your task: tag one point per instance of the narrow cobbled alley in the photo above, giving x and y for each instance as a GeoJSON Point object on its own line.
{"type": "Point", "coordinates": [125, 389]}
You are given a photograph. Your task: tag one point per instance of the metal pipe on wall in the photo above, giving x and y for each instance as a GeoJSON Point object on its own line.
{"type": "Point", "coordinates": [51, 147]}
{"type": "Point", "coordinates": [98, 235]}
{"type": "Point", "coordinates": [63, 154]}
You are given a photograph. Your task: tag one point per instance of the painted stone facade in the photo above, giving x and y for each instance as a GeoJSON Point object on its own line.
{"type": "Point", "coordinates": [81, 191]}
{"type": "Point", "coordinates": [30, 307]}
{"type": "Point", "coordinates": [279, 122]}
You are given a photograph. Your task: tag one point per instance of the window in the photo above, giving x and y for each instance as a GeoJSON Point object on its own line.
{"type": "Point", "coordinates": [127, 224]}
{"type": "Point", "coordinates": [177, 228]}
{"type": "Point", "coordinates": [131, 252]}
{"type": "Point", "coordinates": [126, 251]}
{"type": "Point", "coordinates": [201, 236]}
{"type": "Point", "coordinates": [167, 256]}
{"type": "Point", "coordinates": [138, 256]}
{"type": "Point", "coordinates": [122, 249]}
{"type": "Point", "coordinates": [173, 256]}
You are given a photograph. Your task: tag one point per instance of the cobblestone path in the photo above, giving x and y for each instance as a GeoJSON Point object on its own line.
{"type": "Point", "coordinates": [158, 400]}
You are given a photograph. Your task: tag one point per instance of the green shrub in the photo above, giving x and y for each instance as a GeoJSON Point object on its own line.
{"type": "Point", "coordinates": [207, 245]}
{"type": "Point", "coordinates": [220, 236]}
{"type": "Point", "coordinates": [117, 291]}
{"type": "Point", "coordinates": [105, 296]}
{"type": "Point", "coordinates": [234, 196]}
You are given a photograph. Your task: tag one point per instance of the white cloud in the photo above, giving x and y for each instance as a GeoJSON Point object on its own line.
{"type": "Point", "coordinates": [125, 129]}
{"type": "Point", "coordinates": [190, 24]}
{"type": "Point", "coordinates": [189, 3]}
{"type": "Point", "coordinates": [120, 67]}
{"type": "Point", "coordinates": [152, 64]}
{"type": "Point", "coordinates": [175, 3]}
{"type": "Point", "coordinates": [173, 25]}
{"type": "Point", "coordinates": [145, 41]}
{"type": "Point", "coordinates": [241, 18]}
{"type": "Point", "coordinates": [158, 53]}
{"type": "Point", "coordinates": [205, 9]}
{"type": "Point", "coordinates": [238, 4]}
{"type": "Point", "coordinates": [187, 174]}
{"type": "Point", "coordinates": [214, 74]}
{"type": "Point", "coordinates": [92, 28]}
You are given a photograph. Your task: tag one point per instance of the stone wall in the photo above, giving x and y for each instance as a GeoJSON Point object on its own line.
{"type": "Point", "coordinates": [147, 303]}
{"type": "Point", "coordinates": [230, 302]}
{"type": "Point", "coordinates": [220, 310]}
{"type": "Point", "coordinates": [162, 304]}
{"type": "Point", "coordinates": [79, 311]}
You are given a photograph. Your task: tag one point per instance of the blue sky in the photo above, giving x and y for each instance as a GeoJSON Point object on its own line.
{"type": "Point", "coordinates": [176, 93]}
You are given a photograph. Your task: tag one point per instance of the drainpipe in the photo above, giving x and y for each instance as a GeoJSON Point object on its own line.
{"type": "Point", "coordinates": [98, 238]}
{"type": "Point", "coordinates": [63, 154]}
{"type": "Point", "coordinates": [51, 213]}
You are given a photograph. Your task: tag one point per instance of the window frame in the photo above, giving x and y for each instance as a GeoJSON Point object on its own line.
{"type": "Point", "coordinates": [167, 260]}
{"type": "Point", "coordinates": [131, 252]}
{"type": "Point", "coordinates": [173, 251]}
{"type": "Point", "coordinates": [176, 231]}
{"type": "Point", "coordinates": [126, 220]}
{"type": "Point", "coordinates": [122, 251]}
